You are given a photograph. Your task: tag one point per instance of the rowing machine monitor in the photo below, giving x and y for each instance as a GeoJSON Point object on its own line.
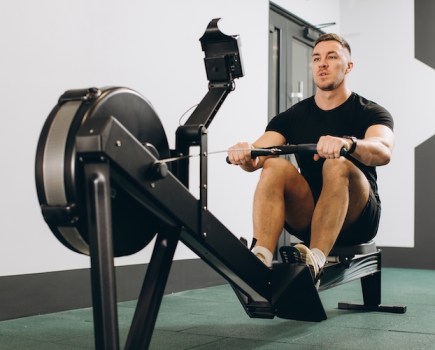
{"type": "Point", "coordinates": [222, 56]}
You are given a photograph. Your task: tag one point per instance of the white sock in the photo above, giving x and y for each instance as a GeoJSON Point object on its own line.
{"type": "Point", "coordinates": [264, 254]}
{"type": "Point", "coordinates": [320, 257]}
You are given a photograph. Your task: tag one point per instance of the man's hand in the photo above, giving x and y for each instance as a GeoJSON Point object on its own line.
{"type": "Point", "coordinates": [329, 147]}
{"type": "Point", "coordinates": [240, 154]}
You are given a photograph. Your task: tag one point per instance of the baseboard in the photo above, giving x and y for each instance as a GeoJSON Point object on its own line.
{"type": "Point", "coordinates": [42, 293]}
{"type": "Point", "coordinates": [418, 257]}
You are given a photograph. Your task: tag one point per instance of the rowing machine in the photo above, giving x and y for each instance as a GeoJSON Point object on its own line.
{"type": "Point", "coordinates": [104, 192]}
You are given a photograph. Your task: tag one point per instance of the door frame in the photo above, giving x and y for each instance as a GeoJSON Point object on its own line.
{"type": "Point", "coordinates": [289, 27]}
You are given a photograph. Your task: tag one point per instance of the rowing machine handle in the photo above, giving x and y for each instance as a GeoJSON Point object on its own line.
{"type": "Point", "coordinates": [310, 148]}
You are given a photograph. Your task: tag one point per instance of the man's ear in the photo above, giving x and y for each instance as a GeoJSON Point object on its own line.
{"type": "Point", "coordinates": [349, 66]}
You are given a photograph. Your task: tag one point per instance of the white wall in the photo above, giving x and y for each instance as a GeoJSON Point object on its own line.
{"type": "Point", "coordinates": [49, 46]}
{"type": "Point", "coordinates": [387, 72]}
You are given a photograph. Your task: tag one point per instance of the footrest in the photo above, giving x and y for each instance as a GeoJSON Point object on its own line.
{"type": "Point", "coordinates": [294, 295]}
{"type": "Point", "coordinates": [289, 255]}
{"type": "Point", "coordinates": [396, 309]}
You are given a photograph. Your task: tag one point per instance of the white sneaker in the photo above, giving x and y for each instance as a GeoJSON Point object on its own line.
{"type": "Point", "coordinates": [308, 258]}
{"type": "Point", "coordinates": [264, 255]}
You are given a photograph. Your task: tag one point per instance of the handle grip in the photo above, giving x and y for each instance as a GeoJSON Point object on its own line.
{"type": "Point", "coordinates": [257, 152]}
{"type": "Point", "coordinates": [343, 152]}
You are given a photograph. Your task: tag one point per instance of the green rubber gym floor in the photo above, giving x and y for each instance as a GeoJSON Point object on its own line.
{"type": "Point", "coordinates": [213, 318]}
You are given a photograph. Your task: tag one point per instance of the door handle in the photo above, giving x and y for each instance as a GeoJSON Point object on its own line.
{"type": "Point", "coordinates": [300, 93]}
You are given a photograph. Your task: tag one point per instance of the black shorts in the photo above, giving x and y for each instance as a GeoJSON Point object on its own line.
{"type": "Point", "coordinates": [361, 231]}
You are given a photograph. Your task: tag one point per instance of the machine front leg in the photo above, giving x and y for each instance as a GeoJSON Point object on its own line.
{"type": "Point", "coordinates": [101, 250]}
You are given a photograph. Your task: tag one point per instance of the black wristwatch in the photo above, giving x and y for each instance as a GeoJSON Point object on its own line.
{"type": "Point", "coordinates": [353, 146]}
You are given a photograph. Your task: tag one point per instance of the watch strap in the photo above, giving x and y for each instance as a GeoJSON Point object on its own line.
{"type": "Point", "coordinates": [353, 146]}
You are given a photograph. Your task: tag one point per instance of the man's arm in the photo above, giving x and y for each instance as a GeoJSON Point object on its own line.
{"type": "Point", "coordinates": [377, 146]}
{"type": "Point", "coordinates": [240, 153]}
{"type": "Point", "coordinates": [374, 150]}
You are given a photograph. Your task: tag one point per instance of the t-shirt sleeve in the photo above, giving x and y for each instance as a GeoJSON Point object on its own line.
{"type": "Point", "coordinates": [278, 123]}
{"type": "Point", "coordinates": [379, 115]}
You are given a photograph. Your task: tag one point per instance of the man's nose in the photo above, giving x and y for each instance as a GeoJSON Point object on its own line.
{"type": "Point", "coordinates": [323, 64]}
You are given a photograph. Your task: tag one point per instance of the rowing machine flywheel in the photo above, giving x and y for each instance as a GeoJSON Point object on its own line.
{"type": "Point", "coordinates": [61, 194]}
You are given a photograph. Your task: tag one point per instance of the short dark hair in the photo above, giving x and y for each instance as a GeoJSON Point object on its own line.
{"type": "Point", "coordinates": [334, 37]}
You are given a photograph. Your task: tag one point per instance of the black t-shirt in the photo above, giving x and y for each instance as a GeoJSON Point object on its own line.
{"type": "Point", "coordinates": [305, 122]}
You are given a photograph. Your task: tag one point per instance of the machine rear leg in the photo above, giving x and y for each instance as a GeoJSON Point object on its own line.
{"type": "Point", "coordinates": [153, 288]}
{"type": "Point", "coordinates": [371, 291]}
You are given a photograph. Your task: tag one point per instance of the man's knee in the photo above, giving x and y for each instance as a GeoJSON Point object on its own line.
{"type": "Point", "coordinates": [278, 167]}
{"type": "Point", "coordinates": [277, 162]}
{"type": "Point", "coordinates": [343, 174]}
{"type": "Point", "coordinates": [340, 168]}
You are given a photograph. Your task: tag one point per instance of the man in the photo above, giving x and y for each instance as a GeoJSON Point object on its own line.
{"type": "Point", "coordinates": [332, 198]}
